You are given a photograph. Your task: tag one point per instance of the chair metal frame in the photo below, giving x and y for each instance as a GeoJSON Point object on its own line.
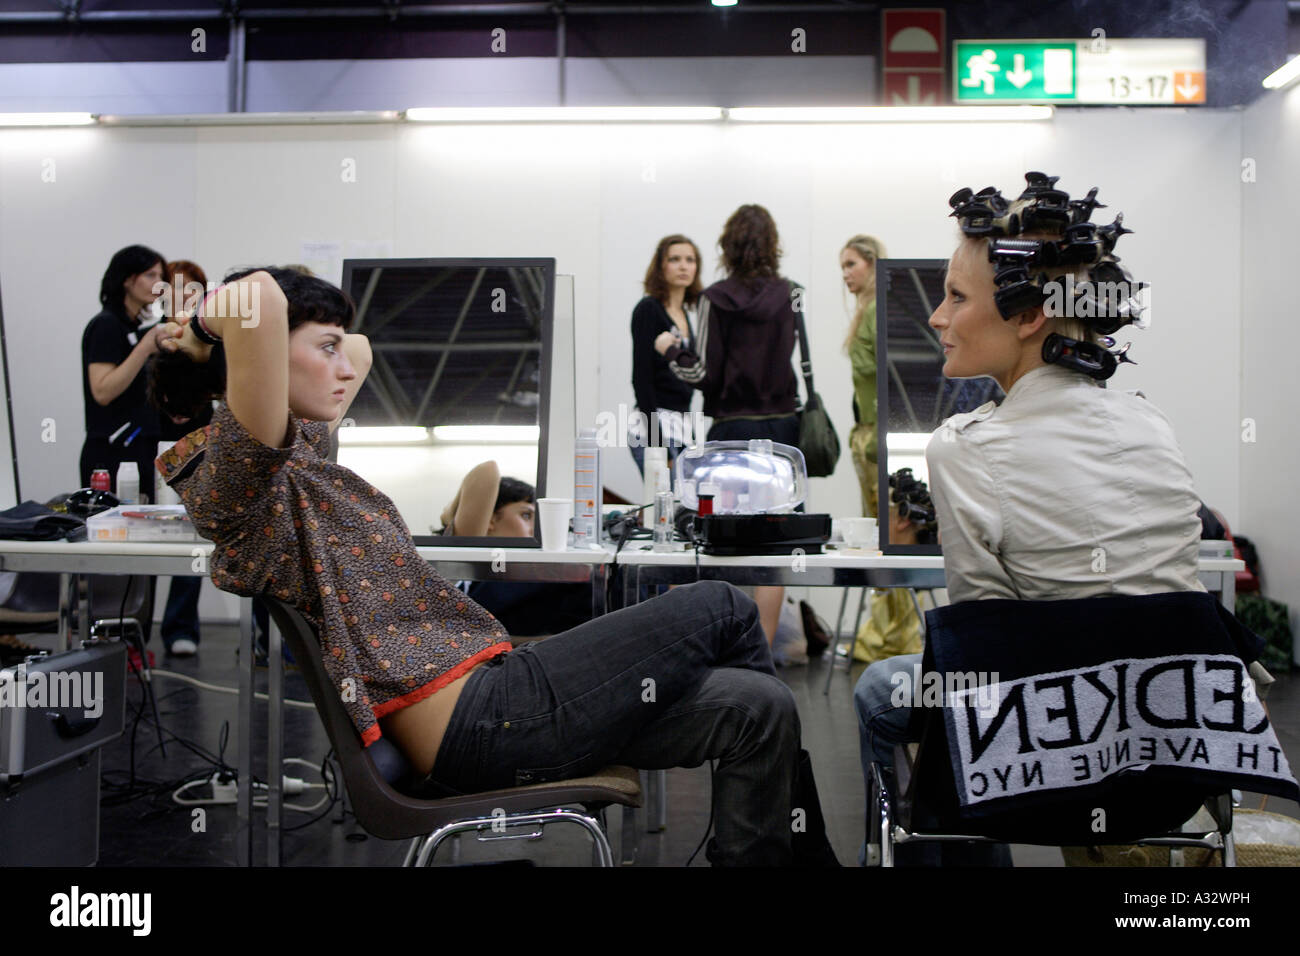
{"type": "Point", "coordinates": [887, 827]}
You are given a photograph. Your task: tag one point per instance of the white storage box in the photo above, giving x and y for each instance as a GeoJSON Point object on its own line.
{"type": "Point", "coordinates": [141, 523]}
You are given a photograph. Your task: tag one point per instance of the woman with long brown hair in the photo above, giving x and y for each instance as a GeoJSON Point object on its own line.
{"type": "Point", "coordinates": [672, 289]}
{"type": "Point", "coordinates": [741, 359]}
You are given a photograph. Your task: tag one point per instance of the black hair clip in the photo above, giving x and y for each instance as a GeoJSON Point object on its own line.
{"type": "Point", "coordinates": [1110, 234]}
{"type": "Point", "coordinates": [1086, 357]}
{"type": "Point", "coordinates": [1048, 207]}
{"type": "Point", "coordinates": [1081, 209]}
{"type": "Point", "coordinates": [983, 213]}
{"type": "Point", "coordinates": [1079, 245]}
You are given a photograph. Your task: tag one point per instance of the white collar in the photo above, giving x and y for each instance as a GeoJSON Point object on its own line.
{"type": "Point", "coordinates": [1044, 378]}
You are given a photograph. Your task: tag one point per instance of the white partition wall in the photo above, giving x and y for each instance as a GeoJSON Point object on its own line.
{"type": "Point", "coordinates": [598, 197]}
{"type": "Point", "coordinates": [1269, 432]}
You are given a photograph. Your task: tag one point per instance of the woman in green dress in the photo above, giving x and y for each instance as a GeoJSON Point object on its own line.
{"type": "Point", "coordinates": [858, 266]}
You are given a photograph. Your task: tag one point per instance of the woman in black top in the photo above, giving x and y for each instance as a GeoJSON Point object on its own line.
{"type": "Point", "coordinates": [672, 285]}
{"type": "Point", "coordinates": [121, 425]}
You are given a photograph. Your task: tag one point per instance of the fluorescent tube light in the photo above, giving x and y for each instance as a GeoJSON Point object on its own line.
{"type": "Point", "coordinates": [493, 434]}
{"type": "Point", "coordinates": [1284, 74]}
{"type": "Point", "coordinates": [564, 114]}
{"type": "Point", "coordinates": [46, 119]}
{"type": "Point", "coordinates": [321, 118]}
{"type": "Point", "coordinates": [382, 435]}
{"type": "Point", "coordinates": [888, 114]}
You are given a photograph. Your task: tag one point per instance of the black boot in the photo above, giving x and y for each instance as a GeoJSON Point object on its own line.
{"type": "Point", "coordinates": [808, 844]}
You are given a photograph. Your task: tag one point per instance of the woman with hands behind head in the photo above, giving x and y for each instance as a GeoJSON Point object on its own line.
{"type": "Point", "coordinates": [434, 671]}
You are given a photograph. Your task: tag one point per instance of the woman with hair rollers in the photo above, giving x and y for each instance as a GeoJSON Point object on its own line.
{"type": "Point", "coordinates": [434, 671]}
{"type": "Point", "coordinates": [1010, 482]}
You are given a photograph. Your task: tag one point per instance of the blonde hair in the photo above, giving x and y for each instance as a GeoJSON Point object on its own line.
{"type": "Point", "coordinates": [870, 249]}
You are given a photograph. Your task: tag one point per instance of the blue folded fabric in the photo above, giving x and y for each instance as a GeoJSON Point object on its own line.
{"type": "Point", "coordinates": [32, 521]}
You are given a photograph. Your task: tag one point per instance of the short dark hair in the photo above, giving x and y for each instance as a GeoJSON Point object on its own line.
{"type": "Point", "coordinates": [126, 263]}
{"type": "Point", "coordinates": [311, 298]}
{"type": "Point", "coordinates": [510, 490]}
{"type": "Point", "coordinates": [656, 286]}
{"type": "Point", "coordinates": [180, 386]}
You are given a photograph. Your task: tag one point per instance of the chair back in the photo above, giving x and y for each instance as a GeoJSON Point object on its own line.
{"type": "Point", "coordinates": [368, 772]}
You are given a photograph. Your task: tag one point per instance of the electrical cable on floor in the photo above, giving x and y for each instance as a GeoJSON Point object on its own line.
{"type": "Point", "coordinates": [333, 790]}
{"type": "Point", "coordinates": [222, 689]}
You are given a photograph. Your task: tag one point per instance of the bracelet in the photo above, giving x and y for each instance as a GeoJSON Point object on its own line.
{"type": "Point", "coordinates": [202, 332]}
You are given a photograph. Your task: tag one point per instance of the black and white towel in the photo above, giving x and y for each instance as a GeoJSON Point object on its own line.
{"type": "Point", "coordinates": [1044, 698]}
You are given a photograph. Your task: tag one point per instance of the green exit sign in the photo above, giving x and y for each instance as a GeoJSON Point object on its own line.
{"type": "Point", "coordinates": [1165, 71]}
{"type": "Point", "coordinates": [985, 72]}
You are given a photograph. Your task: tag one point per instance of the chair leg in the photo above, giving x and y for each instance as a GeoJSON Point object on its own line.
{"type": "Point", "coordinates": [857, 621]}
{"type": "Point", "coordinates": [654, 784]}
{"type": "Point", "coordinates": [630, 839]}
{"type": "Point", "coordinates": [603, 856]}
{"type": "Point", "coordinates": [880, 834]}
{"type": "Point", "coordinates": [835, 642]}
{"type": "Point", "coordinates": [411, 851]}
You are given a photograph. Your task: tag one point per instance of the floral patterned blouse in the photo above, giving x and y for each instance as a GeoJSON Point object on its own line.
{"type": "Point", "coordinates": [289, 523]}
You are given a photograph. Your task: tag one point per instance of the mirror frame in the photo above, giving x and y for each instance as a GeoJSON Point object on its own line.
{"type": "Point", "coordinates": [883, 391]}
{"type": "Point", "coordinates": [544, 383]}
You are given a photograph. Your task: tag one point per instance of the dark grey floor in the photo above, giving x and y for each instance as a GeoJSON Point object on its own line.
{"type": "Point", "coordinates": [153, 830]}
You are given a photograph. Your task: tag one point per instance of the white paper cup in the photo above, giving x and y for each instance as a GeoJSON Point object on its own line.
{"type": "Point", "coordinates": [553, 514]}
{"type": "Point", "coordinates": [860, 532]}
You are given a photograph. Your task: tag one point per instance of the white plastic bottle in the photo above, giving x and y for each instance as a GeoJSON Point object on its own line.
{"type": "Point", "coordinates": [128, 483]}
{"type": "Point", "coordinates": [166, 494]}
{"type": "Point", "coordinates": [586, 490]}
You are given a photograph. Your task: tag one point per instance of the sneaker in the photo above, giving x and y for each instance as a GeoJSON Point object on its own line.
{"type": "Point", "coordinates": [183, 647]}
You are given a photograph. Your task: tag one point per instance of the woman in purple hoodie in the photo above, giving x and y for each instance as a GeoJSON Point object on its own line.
{"type": "Point", "coordinates": [745, 335]}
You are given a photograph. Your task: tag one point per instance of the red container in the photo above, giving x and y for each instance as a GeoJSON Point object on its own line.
{"type": "Point", "coordinates": [100, 480]}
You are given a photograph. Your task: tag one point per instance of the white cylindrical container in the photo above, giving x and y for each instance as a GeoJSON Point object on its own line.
{"type": "Point", "coordinates": [655, 458]}
{"type": "Point", "coordinates": [166, 495]}
{"type": "Point", "coordinates": [587, 490]}
{"type": "Point", "coordinates": [128, 483]}
{"type": "Point", "coordinates": [663, 514]}
{"type": "Point", "coordinates": [553, 517]}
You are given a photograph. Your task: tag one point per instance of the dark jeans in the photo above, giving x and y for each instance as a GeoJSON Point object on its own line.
{"type": "Point", "coordinates": [678, 680]}
{"type": "Point", "coordinates": [181, 616]}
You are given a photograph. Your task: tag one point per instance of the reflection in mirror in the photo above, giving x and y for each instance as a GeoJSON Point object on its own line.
{"type": "Point", "coordinates": [914, 398]}
{"type": "Point", "coordinates": [461, 374]}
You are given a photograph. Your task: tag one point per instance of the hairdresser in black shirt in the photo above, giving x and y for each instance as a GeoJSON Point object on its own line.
{"type": "Point", "coordinates": [120, 423]}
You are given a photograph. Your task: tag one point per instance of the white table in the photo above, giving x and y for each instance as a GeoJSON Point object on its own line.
{"type": "Point", "coordinates": [839, 568]}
